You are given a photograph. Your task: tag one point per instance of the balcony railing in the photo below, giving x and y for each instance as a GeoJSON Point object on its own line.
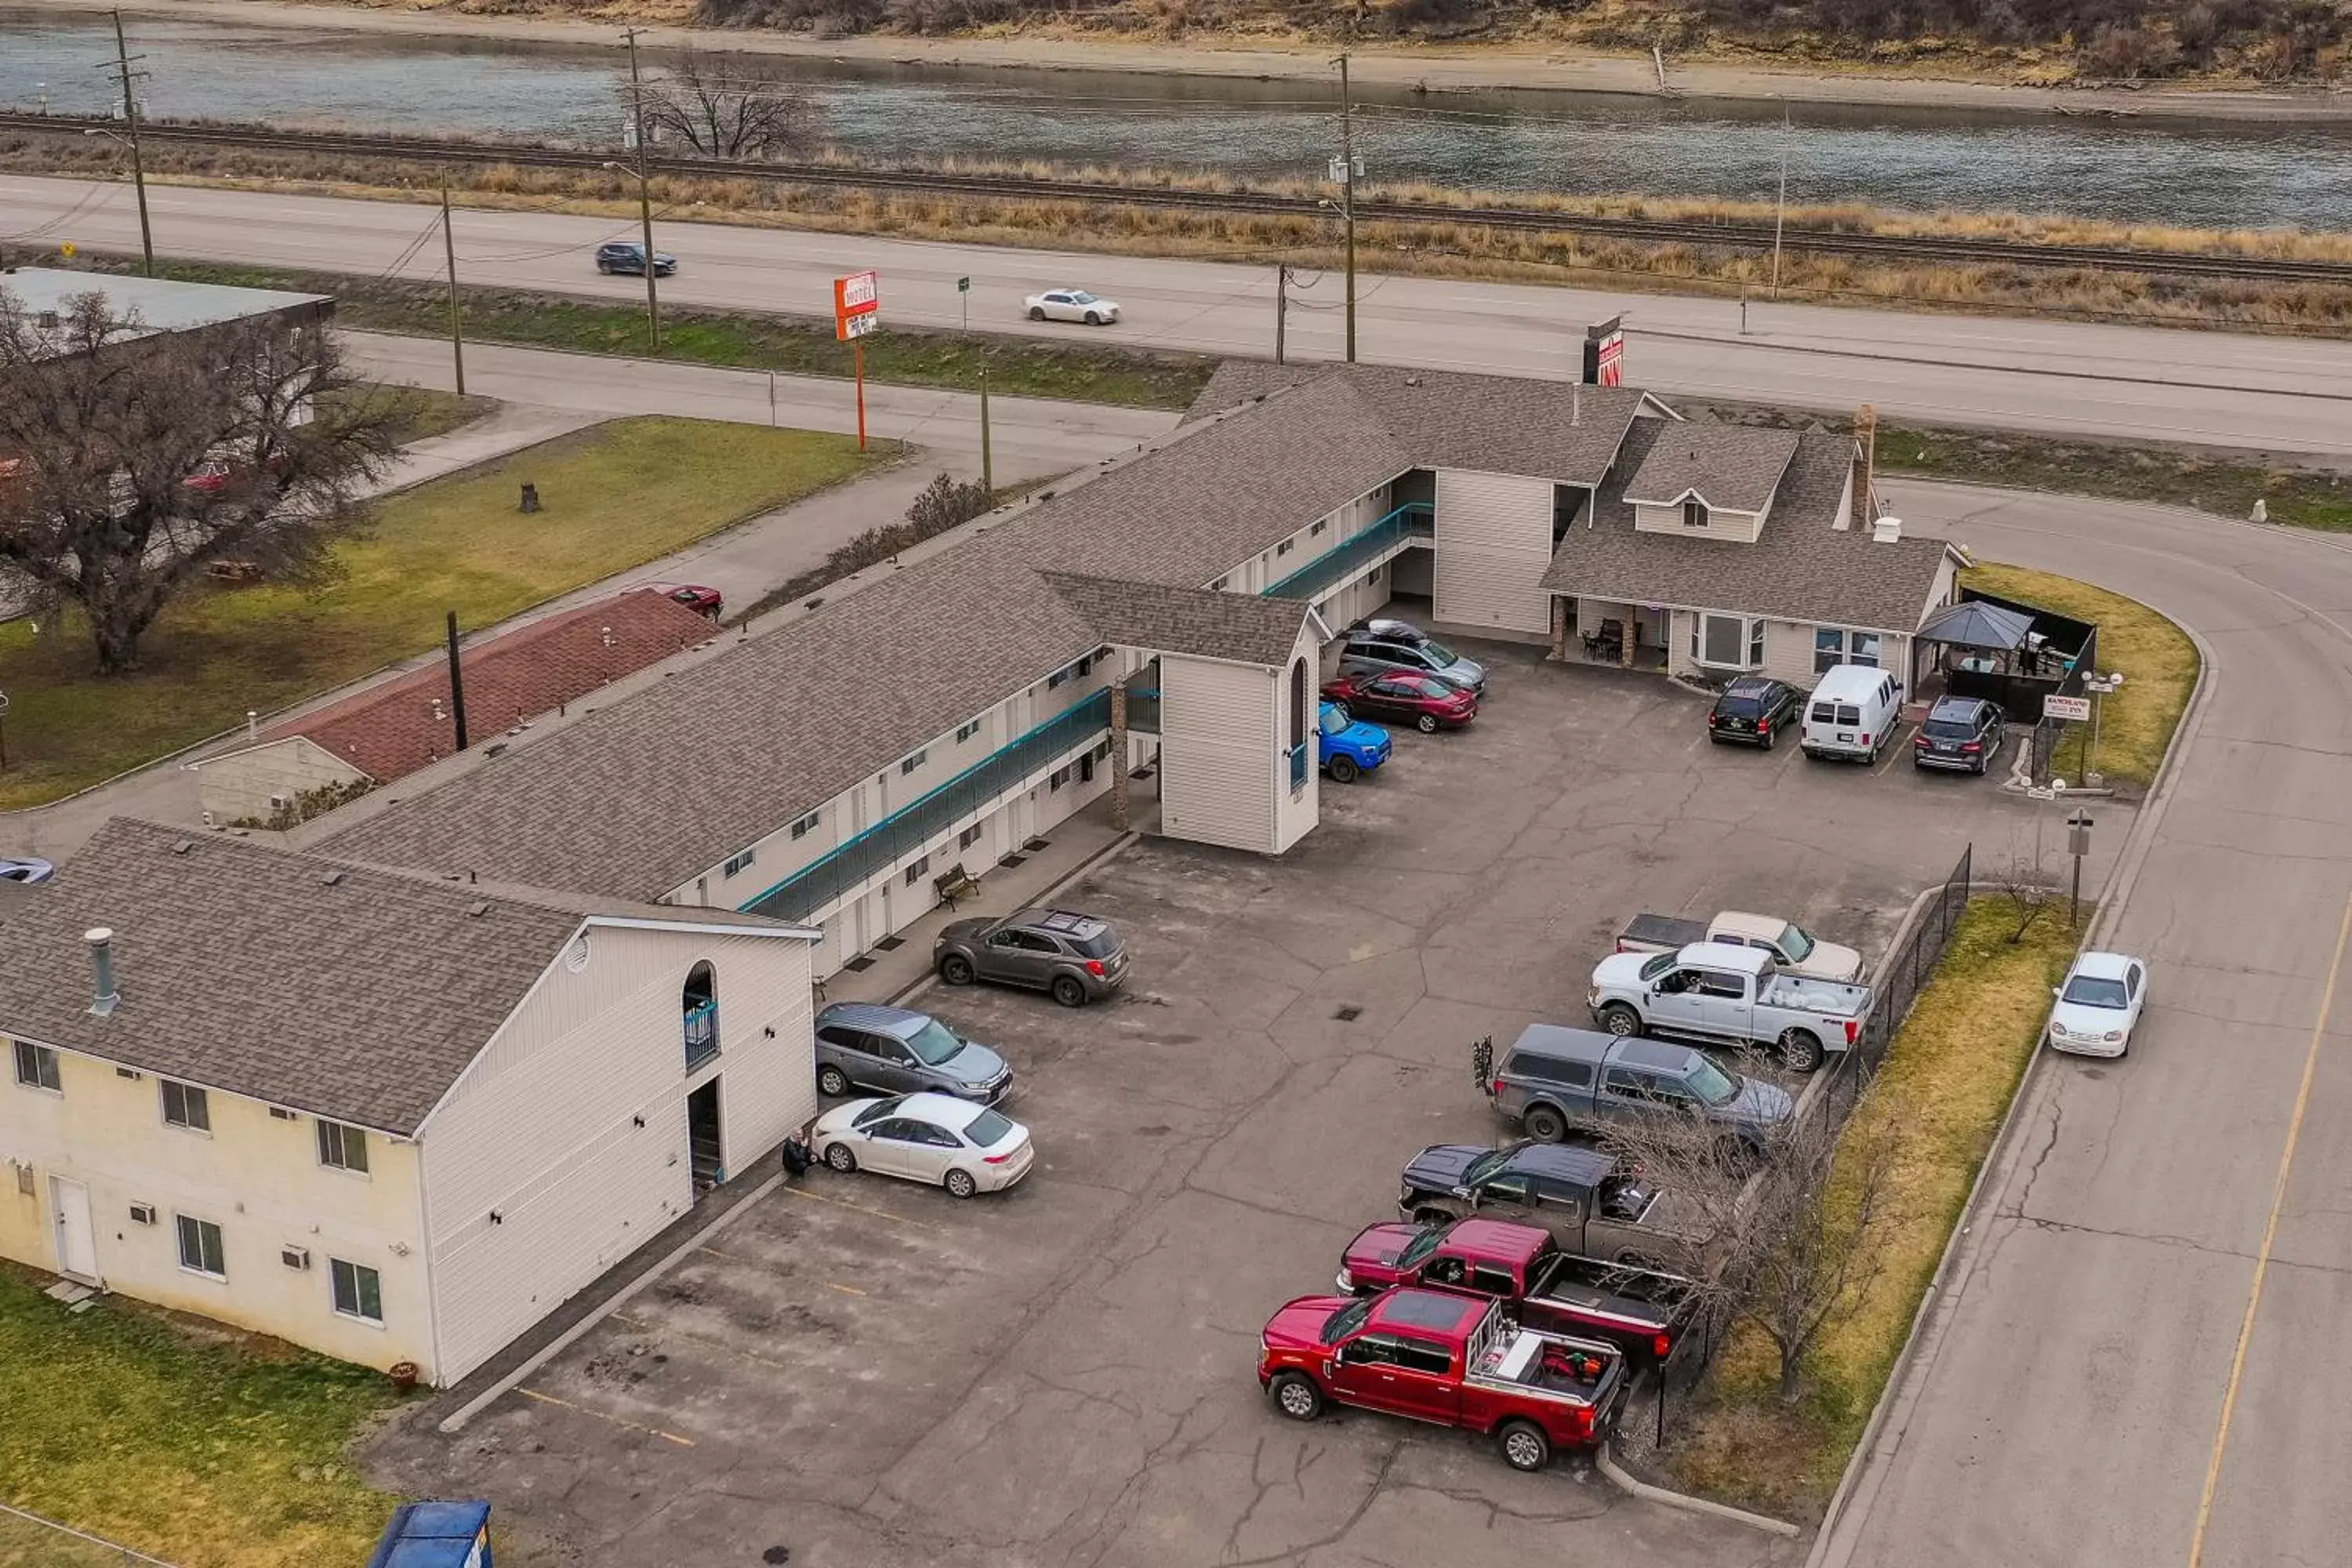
{"type": "Point", "coordinates": [701, 1033]}
{"type": "Point", "coordinates": [1415, 519]}
{"type": "Point", "coordinates": [906, 831]}
{"type": "Point", "coordinates": [1299, 766]}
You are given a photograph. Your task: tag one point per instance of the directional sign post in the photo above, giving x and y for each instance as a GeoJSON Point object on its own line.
{"type": "Point", "coordinates": [964, 296]}
{"type": "Point", "coordinates": [2072, 710]}
{"type": "Point", "coordinates": [857, 310]}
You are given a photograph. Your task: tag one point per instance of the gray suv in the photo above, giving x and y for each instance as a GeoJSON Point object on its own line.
{"type": "Point", "coordinates": [861, 1045]}
{"type": "Point", "coordinates": [1556, 1081]}
{"type": "Point", "coordinates": [1384, 645]}
{"type": "Point", "coordinates": [1076, 957]}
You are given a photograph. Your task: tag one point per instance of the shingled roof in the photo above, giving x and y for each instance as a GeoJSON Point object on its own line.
{"type": "Point", "coordinates": [1241, 628]}
{"type": "Point", "coordinates": [350, 991]}
{"type": "Point", "coordinates": [1730, 466]}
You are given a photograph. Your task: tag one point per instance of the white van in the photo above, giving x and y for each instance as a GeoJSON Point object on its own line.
{"type": "Point", "coordinates": [1852, 713]}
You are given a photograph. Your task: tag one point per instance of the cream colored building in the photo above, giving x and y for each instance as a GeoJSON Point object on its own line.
{"type": "Point", "coordinates": [383, 1116]}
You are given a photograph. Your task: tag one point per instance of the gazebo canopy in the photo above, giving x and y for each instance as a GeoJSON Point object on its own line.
{"type": "Point", "coordinates": [1972, 623]}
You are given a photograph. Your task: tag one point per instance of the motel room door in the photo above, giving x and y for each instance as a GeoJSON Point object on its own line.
{"type": "Point", "coordinates": [76, 1239]}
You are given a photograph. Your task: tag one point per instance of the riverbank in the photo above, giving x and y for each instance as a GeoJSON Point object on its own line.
{"type": "Point", "coordinates": [1532, 65]}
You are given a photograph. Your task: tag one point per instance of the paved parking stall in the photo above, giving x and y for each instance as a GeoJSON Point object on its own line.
{"type": "Point", "coordinates": [869, 1375]}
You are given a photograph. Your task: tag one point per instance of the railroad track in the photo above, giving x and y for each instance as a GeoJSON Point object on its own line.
{"type": "Point", "coordinates": [1953, 250]}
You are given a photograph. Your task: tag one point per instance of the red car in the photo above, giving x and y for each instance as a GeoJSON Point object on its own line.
{"type": "Point", "coordinates": [1427, 703]}
{"type": "Point", "coordinates": [702, 600]}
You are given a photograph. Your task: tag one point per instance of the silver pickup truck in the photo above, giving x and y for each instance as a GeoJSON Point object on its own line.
{"type": "Point", "coordinates": [1715, 992]}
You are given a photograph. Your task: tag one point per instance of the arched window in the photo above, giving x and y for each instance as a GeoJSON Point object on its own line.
{"type": "Point", "coordinates": [699, 1001]}
{"type": "Point", "coordinates": [1300, 711]}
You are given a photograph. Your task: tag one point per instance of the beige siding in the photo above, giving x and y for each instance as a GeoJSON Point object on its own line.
{"type": "Point", "coordinates": [1219, 759]}
{"type": "Point", "coordinates": [1742, 526]}
{"type": "Point", "coordinates": [1494, 544]}
{"type": "Point", "coordinates": [1359, 599]}
{"type": "Point", "coordinates": [1297, 811]}
{"type": "Point", "coordinates": [542, 1131]}
{"type": "Point", "coordinates": [239, 787]}
{"type": "Point", "coordinates": [1788, 653]}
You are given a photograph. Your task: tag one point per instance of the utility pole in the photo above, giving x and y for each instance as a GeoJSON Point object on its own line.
{"type": "Point", "coordinates": [1281, 304]}
{"type": "Point", "coordinates": [987, 461]}
{"type": "Point", "coordinates": [645, 191]}
{"type": "Point", "coordinates": [1780, 213]}
{"type": "Point", "coordinates": [1348, 194]}
{"type": "Point", "coordinates": [450, 249]}
{"type": "Point", "coordinates": [130, 119]}
{"type": "Point", "coordinates": [457, 683]}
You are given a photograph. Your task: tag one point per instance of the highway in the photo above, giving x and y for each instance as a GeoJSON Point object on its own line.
{"type": "Point", "coordinates": [2085, 1380]}
{"type": "Point", "coordinates": [2279, 395]}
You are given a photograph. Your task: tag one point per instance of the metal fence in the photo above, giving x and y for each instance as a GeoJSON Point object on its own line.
{"type": "Point", "coordinates": [28, 1541]}
{"type": "Point", "coordinates": [1899, 979]}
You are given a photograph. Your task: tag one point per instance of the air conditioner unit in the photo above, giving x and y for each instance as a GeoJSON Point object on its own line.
{"type": "Point", "coordinates": [294, 1257]}
{"type": "Point", "coordinates": [142, 1214]}
{"type": "Point", "coordinates": [281, 803]}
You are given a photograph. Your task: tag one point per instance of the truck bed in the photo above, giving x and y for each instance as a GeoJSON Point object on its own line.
{"type": "Point", "coordinates": [1660, 933]}
{"type": "Point", "coordinates": [1807, 996]}
{"type": "Point", "coordinates": [1614, 1295]}
{"type": "Point", "coordinates": [1516, 1360]}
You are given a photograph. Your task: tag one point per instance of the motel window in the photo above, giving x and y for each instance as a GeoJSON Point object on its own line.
{"type": "Point", "coordinates": [1756, 644]}
{"type": "Point", "coordinates": [1284, 548]}
{"type": "Point", "coordinates": [736, 863]}
{"type": "Point", "coordinates": [359, 1290]}
{"type": "Point", "coordinates": [36, 1066]}
{"type": "Point", "coordinates": [1320, 524]}
{"type": "Point", "coordinates": [910, 763]}
{"type": "Point", "coordinates": [1694, 514]}
{"type": "Point", "coordinates": [185, 1105]}
{"type": "Point", "coordinates": [1836, 645]}
{"type": "Point", "coordinates": [806, 824]}
{"type": "Point", "coordinates": [344, 1147]}
{"type": "Point", "coordinates": [918, 871]}
{"type": "Point", "coordinates": [970, 837]}
{"type": "Point", "coordinates": [1060, 777]}
{"type": "Point", "coordinates": [1727, 642]}
{"type": "Point", "coordinates": [200, 1246]}
{"type": "Point", "coordinates": [1219, 585]}
{"type": "Point", "coordinates": [966, 731]}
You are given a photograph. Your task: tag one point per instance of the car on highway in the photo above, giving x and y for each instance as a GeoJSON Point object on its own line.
{"type": "Point", "coordinates": [26, 869]}
{"type": "Point", "coordinates": [1345, 746]}
{"type": "Point", "coordinates": [1754, 710]}
{"type": "Point", "coordinates": [706, 602]}
{"type": "Point", "coordinates": [628, 256]}
{"type": "Point", "coordinates": [1072, 305]}
{"type": "Point", "coordinates": [1962, 732]}
{"type": "Point", "coordinates": [2096, 1009]}
{"type": "Point", "coordinates": [864, 1045]}
{"type": "Point", "coordinates": [935, 1139]}
{"type": "Point", "coordinates": [1424, 702]}
{"type": "Point", "coordinates": [1073, 957]}
{"type": "Point", "coordinates": [1385, 644]}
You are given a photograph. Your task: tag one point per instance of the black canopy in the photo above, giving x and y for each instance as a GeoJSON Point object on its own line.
{"type": "Point", "coordinates": [1972, 623]}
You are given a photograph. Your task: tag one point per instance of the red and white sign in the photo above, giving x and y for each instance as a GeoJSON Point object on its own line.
{"type": "Point", "coordinates": [857, 305]}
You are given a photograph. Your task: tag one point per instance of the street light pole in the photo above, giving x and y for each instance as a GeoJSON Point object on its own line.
{"type": "Point", "coordinates": [645, 193]}
{"type": "Point", "coordinates": [130, 119]}
{"type": "Point", "coordinates": [1348, 194]}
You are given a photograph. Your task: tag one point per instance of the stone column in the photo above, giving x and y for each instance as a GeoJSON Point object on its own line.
{"type": "Point", "coordinates": [1632, 636]}
{"type": "Point", "coordinates": [1118, 758]}
{"type": "Point", "coordinates": [1558, 628]}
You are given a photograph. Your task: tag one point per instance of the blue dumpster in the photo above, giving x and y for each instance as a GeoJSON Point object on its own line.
{"type": "Point", "coordinates": [435, 1535]}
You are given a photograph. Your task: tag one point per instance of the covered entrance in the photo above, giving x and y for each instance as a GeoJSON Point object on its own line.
{"type": "Point", "coordinates": [706, 1150]}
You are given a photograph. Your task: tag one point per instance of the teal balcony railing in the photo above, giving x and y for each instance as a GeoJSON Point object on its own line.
{"type": "Point", "coordinates": [907, 830]}
{"type": "Point", "coordinates": [1415, 519]}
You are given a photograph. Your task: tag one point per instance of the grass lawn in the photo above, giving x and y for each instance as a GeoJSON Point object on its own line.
{"type": "Point", "coordinates": [203, 1448]}
{"type": "Point", "coordinates": [1947, 1083]}
{"type": "Point", "coordinates": [2158, 660]}
{"type": "Point", "coordinates": [616, 496]}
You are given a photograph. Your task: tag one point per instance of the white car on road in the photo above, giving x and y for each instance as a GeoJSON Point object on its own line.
{"type": "Point", "coordinates": [935, 1139]}
{"type": "Point", "coordinates": [1072, 305]}
{"type": "Point", "coordinates": [2099, 1006]}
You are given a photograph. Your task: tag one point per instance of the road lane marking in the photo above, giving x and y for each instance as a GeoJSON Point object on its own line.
{"type": "Point", "coordinates": [844, 1290]}
{"type": "Point", "coordinates": [601, 1415]}
{"type": "Point", "coordinates": [2270, 1235]}
{"type": "Point", "coordinates": [861, 1208]}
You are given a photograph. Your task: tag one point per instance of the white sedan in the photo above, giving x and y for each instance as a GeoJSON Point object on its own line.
{"type": "Point", "coordinates": [2099, 1006]}
{"type": "Point", "coordinates": [935, 1139]}
{"type": "Point", "coordinates": [1072, 305]}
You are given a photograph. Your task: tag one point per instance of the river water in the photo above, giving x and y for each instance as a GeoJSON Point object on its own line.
{"type": "Point", "coordinates": [2202, 175]}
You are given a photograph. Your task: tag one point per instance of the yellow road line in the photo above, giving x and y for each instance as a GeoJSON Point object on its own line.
{"type": "Point", "coordinates": [861, 1208]}
{"type": "Point", "coordinates": [2270, 1235]}
{"type": "Point", "coordinates": [601, 1415]}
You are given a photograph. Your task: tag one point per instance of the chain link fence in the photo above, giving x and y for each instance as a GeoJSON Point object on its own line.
{"type": "Point", "coordinates": [28, 1541]}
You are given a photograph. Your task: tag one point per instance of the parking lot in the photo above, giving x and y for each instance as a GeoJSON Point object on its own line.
{"type": "Point", "coordinates": [865, 1374]}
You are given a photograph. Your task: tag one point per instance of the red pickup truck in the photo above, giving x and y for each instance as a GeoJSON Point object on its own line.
{"type": "Point", "coordinates": [1447, 1358]}
{"type": "Point", "coordinates": [1642, 1311]}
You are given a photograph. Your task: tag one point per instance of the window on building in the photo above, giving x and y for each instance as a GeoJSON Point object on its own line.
{"type": "Point", "coordinates": [806, 824]}
{"type": "Point", "coordinates": [699, 1001]}
{"type": "Point", "coordinates": [1756, 644]}
{"type": "Point", "coordinates": [1320, 524]}
{"type": "Point", "coordinates": [36, 1066]}
{"type": "Point", "coordinates": [1056, 678]}
{"type": "Point", "coordinates": [344, 1147]}
{"type": "Point", "coordinates": [970, 837]}
{"type": "Point", "coordinates": [1219, 585]}
{"type": "Point", "coordinates": [1087, 664]}
{"type": "Point", "coordinates": [200, 1246]}
{"type": "Point", "coordinates": [1694, 514]}
{"type": "Point", "coordinates": [1059, 777]}
{"type": "Point", "coordinates": [359, 1290]}
{"type": "Point", "coordinates": [1284, 548]}
{"type": "Point", "coordinates": [966, 731]}
{"type": "Point", "coordinates": [739, 862]}
{"type": "Point", "coordinates": [1727, 642]}
{"type": "Point", "coordinates": [185, 1105]}
{"type": "Point", "coordinates": [1836, 645]}
{"type": "Point", "coordinates": [918, 871]}
{"type": "Point", "coordinates": [908, 765]}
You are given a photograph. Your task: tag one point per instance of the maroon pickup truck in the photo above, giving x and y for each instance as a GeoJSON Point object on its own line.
{"type": "Point", "coordinates": [1447, 1358]}
{"type": "Point", "coordinates": [1642, 1311]}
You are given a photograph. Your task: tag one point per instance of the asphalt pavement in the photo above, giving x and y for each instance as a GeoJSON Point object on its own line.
{"type": "Point", "coordinates": [2268, 393]}
{"type": "Point", "coordinates": [2139, 1361]}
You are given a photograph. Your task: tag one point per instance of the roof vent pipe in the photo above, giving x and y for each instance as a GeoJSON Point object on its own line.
{"type": "Point", "coordinates": [102, 992]}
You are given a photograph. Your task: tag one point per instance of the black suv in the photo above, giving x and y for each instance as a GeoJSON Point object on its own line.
{"type": "Point", "coordinates": [628, 256]}
{"type": "Point", "coordinates": [1076, 957]}
{"type": "Point", "coordinates": [1753, 710]}
{"type": "Point", "coordinates": [1961, 732]}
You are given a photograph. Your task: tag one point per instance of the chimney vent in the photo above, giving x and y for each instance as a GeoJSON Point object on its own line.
{"type": "Point", "coordinates": [103, 994]}
{"type": "Point", "coordinates": [1887, 530]}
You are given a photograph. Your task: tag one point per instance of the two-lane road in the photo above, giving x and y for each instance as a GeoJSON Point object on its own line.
{"type": "Point", "coordinates": [2273, 394]}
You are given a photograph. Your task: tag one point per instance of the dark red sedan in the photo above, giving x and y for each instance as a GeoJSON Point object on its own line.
{"type": "Point", "coordinates": [1428, 702]}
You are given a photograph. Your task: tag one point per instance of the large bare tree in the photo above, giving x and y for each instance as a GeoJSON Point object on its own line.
{"type": "Point", "coordinates": [131, 462]}
{"type": "Point", "coordinates": [734, 106]}
{"type": "Point", "coordinates": [1797, 1215]}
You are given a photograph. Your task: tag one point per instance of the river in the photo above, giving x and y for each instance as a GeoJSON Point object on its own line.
{"type": "Point", "coordinates": [2199, 175]}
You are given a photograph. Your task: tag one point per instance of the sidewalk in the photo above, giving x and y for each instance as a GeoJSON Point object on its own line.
{"type": "Point", "coordinates": [509, 428]}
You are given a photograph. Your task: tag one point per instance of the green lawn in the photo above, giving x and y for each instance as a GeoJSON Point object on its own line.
{"type": "Point", "coordinates": [202, 1448]}
{"type": "Point", "coordinates": [616, 496]}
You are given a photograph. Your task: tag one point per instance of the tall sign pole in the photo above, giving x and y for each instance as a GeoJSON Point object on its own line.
{"type": "Point", "coordinates": [857, 310]}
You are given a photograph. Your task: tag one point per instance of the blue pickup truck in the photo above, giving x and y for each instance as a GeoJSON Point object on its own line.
{"type": "Point", "coordinates": [1345, 746]}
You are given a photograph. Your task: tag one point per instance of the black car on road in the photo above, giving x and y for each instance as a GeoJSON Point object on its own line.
{"type": "Point", "coordinates": [1754, 710]}
{"type": "Point", "coordinates": [628, 256]}
{"type": "Point", "coordinates": [1961, 732]}
{"type": "Point", "coordinates": [1074, 957]}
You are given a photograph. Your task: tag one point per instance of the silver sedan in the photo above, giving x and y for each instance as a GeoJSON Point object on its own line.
{"type": "Point", "coordinates": [935, 1139]}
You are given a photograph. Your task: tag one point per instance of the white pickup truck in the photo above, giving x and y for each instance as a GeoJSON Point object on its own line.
{"type": "Point", "coordinates": [1715, 992]}
{"type": "Point", "coordinates": [1793, 948]}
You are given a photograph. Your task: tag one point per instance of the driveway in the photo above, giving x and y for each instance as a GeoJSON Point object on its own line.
{"type": "Point", "coordinates": [868, 1373]}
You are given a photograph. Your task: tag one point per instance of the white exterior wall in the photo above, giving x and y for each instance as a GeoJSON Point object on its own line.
{"type": "Point", "coordinates": [237, 787]}
{"type": "Point", "coordinates": [1297, 811]}
{"type": "Point", "coordinates": [1347, 606]}
{"type": "Point", "coordinates": [1494, 544]}
{"type": "Point", "coordinates": [1746, 527]}
{"type": "Point", "coordinates": [1220, 761]}
{"type": "Point", "coordinates": [541, 1128]}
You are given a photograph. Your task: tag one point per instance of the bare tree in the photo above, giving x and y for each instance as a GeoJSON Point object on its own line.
{"type": "Point", "coordinates": [1796, 1214]}
{"type": "Point", "coordinates": [948, 502]}
{"type": "Point", "coordinates": [2020, 880]}
{"type": "Point", "coordinates": [132, 463]}
{"type": "Point", "coordinates": [734, 106]}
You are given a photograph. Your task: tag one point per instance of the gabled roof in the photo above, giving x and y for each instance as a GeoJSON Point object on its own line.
{"type": "Point", "coordinates": [350, 991]}
{"type": "Point", "coordinates": [393, 728]}
{"type": "Point", "coordinates": [1204, 623]}
{"type": "Point", "coordinates": [1802, 569]}
{"type": "Point", "coordinates": [1732, 468]}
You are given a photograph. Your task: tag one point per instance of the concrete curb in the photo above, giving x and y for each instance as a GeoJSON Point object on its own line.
{"type": "Point", "coordinates": [1607, 1464]}
{"type": "Point", "coordinates": [2117, 894]}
